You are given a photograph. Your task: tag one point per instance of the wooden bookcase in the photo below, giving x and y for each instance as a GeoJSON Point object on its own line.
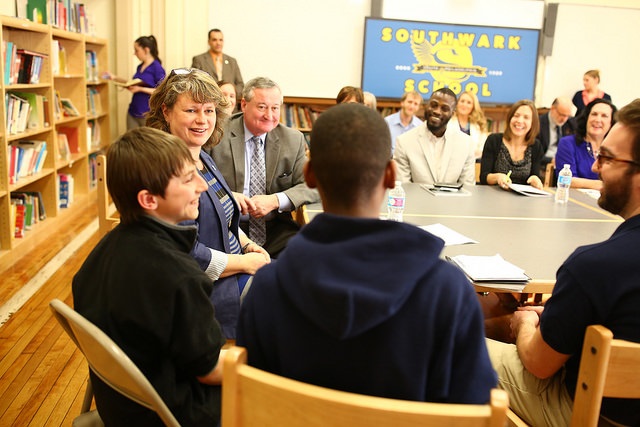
{"type": "Point", "coordinates": [300, 112]}
{"type": "Point", "coordinates": [70, 83]}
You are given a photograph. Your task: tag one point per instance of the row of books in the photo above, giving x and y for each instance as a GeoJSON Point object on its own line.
{"type": "Point", "coordinates": [91, 66]}
{"type": "Point", "coordinates": [64, 107]}
{"type": "Point", "coordinates": [27, 209]}
{"type": "Point", "coordinates": [26, 158]}
{"type": "Point", "coordinates": [67, 142]}
{"type": "Point", "coordinates": [25, 110]}
{"type": "Point", "coordinates": [298, 116]}
{"type": "Point", "coordinates": [93, 135]}
{"type": "Point", "coordinates": [64, 14]}
{"type": "Point", "coordinates": [65, 190]}
{"type": "Point", "coordinates": [58, 58]}
{"type": "Point", "coordinates": [21, 65]}
{"type": "Point", "coordinates": [94, 106]}
{"type": "Point", "coordinates": [93, 170]}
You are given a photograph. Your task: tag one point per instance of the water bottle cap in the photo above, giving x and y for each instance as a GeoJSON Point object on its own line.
{"type": "Point", "coordinates": [398, 183]}
{"type": "Point", "coordinates": [567, 165]}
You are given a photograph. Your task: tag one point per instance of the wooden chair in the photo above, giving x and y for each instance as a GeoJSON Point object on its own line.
{"type": "Point", "coordinates": [300, 215]}
{"type": "Point", "coordinates": [550, 175]}
{"type": "Point", "coordinates": [608, 368]}
{"type": "Point", "coordinates": [252, 397]}
{"type": "Point", "coordinates": [108, 362]}
{"type": "Point", "coordinates": [106, 222]}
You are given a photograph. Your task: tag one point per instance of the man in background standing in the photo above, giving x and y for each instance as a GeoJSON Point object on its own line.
{"type": "Point", "coordinates": [221, 66]}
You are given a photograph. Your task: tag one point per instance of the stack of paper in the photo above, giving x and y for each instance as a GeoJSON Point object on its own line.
{"type": "Point", "coordinates": [489, 269]}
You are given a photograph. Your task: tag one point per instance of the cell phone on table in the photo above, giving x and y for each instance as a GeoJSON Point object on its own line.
{"type": "Point", "coordinates": [448, 185]}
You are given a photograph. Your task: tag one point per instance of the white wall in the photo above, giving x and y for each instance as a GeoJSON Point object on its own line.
{"type": "Point", "coordinates": [610, 44]}
{"type": "Point", "coordinates": [310, 48]}
{"type": "Point", "coordinates": [314, 48]}
{"type": "Point", "coordinates": [520, 14]}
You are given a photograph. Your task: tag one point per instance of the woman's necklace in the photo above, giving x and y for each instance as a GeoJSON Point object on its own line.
{"type": "Point", "coordinates": [590, 150]}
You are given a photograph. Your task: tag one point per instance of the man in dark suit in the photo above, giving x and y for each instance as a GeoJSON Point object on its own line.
{"type": "Point", "coordinates": [557, 123]}
{"type": "Point", "coordinates": [218, 64]}
{"type": "Point", "coordinates": [263, 160]}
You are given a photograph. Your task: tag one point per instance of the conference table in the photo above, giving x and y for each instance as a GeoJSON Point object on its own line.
{"type": "Point", "coordinates": [533, 233]}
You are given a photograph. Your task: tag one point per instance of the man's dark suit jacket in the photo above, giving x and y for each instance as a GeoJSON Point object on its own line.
{"type": "Point", "coordinates": [284, 160]}
{"type": "Point", "coordinates": [545, 122]}
{"type": "Point", "coordinates": [230, 70]}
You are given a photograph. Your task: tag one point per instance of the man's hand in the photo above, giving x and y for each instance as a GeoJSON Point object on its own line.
{"type": "Point", "coordinates": [263, 204]}
{"type": "Point", "coordinates": [244, 202]}
{"type": "Point", "coordinates": [525, 318]}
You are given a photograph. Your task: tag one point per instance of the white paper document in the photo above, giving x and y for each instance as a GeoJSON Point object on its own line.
{"type": "Point", "coordinates": [489, 268]}
{"type": "Point", "coordinates": [449, 236]}
{"type": "Point", "coordinates": [594, 194]}
{"type": "Point", "coordinates": [528, 190]}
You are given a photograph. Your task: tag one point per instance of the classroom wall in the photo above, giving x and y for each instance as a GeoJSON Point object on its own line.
{"type": "Point", "coordinates": [610, 45]}
{"type": "Point", "coordinates": [312, 50]}
{"type": "Point", "coordinates": [308, 48]}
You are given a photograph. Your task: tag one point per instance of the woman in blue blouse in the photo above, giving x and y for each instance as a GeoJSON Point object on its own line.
{"type": "Point", "coordinates": [579, 150]}
{"type": "Point", "coordinates": [190, 105]}
{"type": "Point", "coordinates": [151, 73]}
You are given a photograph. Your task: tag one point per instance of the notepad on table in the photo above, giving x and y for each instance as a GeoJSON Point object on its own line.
{"type": "Point", "coordinates": [489, 268]}
{"type": "Point", "coordinates": [528, 190]}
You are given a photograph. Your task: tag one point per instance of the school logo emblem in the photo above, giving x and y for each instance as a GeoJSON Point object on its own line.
{"type": "Point", "coordinates": [445, 61]}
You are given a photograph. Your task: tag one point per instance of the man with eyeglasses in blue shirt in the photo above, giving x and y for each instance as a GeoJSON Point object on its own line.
{"type": "Point", "coordinates": [597, 284]}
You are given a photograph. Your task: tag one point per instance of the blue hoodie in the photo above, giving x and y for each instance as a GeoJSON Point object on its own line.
{"type": "Point", "coordinates": [367, 306]}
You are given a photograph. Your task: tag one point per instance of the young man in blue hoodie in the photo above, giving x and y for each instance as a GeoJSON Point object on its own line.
{"type": "Point", "coordinates": [360, 304]}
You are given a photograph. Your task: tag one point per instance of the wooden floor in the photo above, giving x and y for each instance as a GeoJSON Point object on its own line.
{"type": "Point", "coordinates": [42, 374]}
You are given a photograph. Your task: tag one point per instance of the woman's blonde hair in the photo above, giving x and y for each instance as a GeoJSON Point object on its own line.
{"type": "Point", "coordinates": [477, 116]}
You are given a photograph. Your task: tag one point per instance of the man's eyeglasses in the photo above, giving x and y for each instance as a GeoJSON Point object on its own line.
{"type": "Point", "coordinates": [605, 158]}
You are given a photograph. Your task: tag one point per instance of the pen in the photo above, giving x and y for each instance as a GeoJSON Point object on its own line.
{"type": "Point", "coordinates": [509, 175]}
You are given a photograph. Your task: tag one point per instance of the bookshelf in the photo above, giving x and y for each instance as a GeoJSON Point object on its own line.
{"type": "Point", "coordinates": [66, 76]}
{"type": "Point", "coordinates": [301, 112]}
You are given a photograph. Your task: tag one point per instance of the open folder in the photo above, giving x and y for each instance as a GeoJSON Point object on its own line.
{"type": "Point", "coordinates": [489, 269]}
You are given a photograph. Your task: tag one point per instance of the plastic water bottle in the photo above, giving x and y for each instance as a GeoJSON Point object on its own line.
{"type": "Point", "coordinates": [564, 182]}
{"type": "Point", "coordinates": [395, 202]}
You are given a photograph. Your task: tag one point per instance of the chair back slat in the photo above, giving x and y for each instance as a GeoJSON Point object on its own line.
{"type": "Point", "coordinates": [252, 397]}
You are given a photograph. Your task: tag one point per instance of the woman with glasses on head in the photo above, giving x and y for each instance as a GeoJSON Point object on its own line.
{"type": "Point", "coordinates": [150, 72]}
{"type": "Point", "coordinates": [579, 150]}
{"type": "Point", "coordinates": [190, 105]}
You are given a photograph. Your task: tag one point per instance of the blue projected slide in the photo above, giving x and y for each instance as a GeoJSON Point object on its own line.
{"type": "Point", "coordinates": [498, 64]}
